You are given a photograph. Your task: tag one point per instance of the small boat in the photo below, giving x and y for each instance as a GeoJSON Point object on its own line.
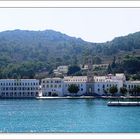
{"type": "Point", "coordinates": [123, 103]}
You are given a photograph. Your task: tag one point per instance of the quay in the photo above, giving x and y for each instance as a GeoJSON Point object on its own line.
{"type": "Point", "coordinates": [67, 97]}
{"type": "Point", "coordinates": [123, 103]}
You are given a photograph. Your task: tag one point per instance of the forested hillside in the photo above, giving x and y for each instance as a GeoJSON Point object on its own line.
{"type": "Point", "coordinates": [24, 53]}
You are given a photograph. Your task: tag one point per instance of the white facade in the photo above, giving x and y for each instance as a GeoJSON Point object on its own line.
{"type": "Point", "coordinates": [61, 70]}
{"type": "Point", "coordinates": [131, 84]}
{"type": "Point", "coordinates": [52, 87]}
{"type": "Point", "coordinates": [80, 81]}
{"type": "Point", "coordinates": [101, 87]}
{"type": "Point", "coordinates": [103, 83]}
{"type": "Point", "coordinates": [19, 88]}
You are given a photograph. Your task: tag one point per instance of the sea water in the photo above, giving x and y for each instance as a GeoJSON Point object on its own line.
{"type": "Point", "coordinates": [67, 115]}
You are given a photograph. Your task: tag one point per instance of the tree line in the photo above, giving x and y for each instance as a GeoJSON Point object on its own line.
{"type": "Point", "coordinates": [49, 49]}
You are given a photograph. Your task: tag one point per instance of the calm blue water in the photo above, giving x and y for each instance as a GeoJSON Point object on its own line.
{"type": "Point", "coordinates": [67, 115]}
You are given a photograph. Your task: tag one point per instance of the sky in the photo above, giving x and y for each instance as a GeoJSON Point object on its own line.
{"type": "Point", "coordinates": [90, 24]}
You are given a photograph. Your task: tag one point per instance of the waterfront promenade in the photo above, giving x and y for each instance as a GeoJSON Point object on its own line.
{"type": "Point", "coordinates": [67, 97]}
{"type": "Point", "coordinates": [90, 97]}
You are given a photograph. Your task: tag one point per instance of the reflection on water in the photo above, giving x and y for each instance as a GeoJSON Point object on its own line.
{"type": "Point", "coordinates": [89, 102]}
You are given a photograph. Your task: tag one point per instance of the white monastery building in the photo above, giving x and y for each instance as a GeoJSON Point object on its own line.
{"type": "Point", "coordinates": [101, 84]}
{"type": "Point", "coordinates": [131, 84]}
{"type": "Point", "coordinates": [19, 88]}
{"type": "Point", "coordinates": [80, 81]}
{"type": "Point", "coordinates": [52, 87]}
{"type": "Point", "coordinates": [30, 88]}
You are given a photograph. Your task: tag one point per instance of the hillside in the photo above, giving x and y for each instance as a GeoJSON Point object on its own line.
{"type": "Point", "coordinates": [24, 52]}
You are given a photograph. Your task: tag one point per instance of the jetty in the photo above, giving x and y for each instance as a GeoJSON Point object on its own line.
{"type": "Point", "coordinates": [123, 103]}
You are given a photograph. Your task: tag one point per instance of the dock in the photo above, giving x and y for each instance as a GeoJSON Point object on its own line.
{"type": "Point", "coordinates": [123, 103]}
{"type": "Point", "coordinates": [67, 97]}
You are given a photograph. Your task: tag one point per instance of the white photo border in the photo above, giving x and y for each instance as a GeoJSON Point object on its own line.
{"type": "Point", "coordinates": [70, 4]}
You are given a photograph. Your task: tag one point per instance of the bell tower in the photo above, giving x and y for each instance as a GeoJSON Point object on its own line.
{"type": "Point", "coordinates": [90, 77]}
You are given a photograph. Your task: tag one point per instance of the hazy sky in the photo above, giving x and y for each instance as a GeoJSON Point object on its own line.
{"type": "Point", "coordinates": [91, 24]}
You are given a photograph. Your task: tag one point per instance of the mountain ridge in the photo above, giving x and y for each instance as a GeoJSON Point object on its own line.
{"type": "Point", "coordinates": [49, 49]}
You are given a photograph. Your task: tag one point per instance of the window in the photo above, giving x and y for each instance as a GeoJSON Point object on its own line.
{"type": "Point", "coordinates": [60, 86]}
